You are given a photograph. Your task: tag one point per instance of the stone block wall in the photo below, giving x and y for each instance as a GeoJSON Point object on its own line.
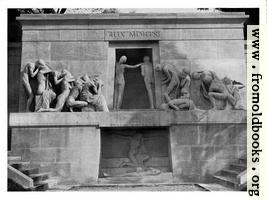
{"type": "Point", "coordinates": [71, 153]}
{"type": "Point", "coordinates": [200, 150]}
{"type": "Point", "coordinates": [200, 142]}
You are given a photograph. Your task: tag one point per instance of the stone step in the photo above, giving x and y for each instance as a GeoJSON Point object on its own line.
{"type": "Point", "coordinates": [160, 178]}
{"type": "Point", "coordinates": [39, 177]}
{"type": "Point", "coordinates": [40, 187]}
{"type": "Point", "coordinates": [52, 182]}
{"type": "Point", "coordinates": [215, 187]}
{"type": "Point", "coordinates": [123, 170]}
{"type": "Point", "coordinates": [238, 166]}
{"type": "Point", "coordinates": [14, 158]}
{"type": "Point", "coordinates": [229, 172]}
{"type": "Point", "coordinates": [225, 181]}
{"type": "Point", "coordinates": [30, 171]}
{"type": "Point", "coordinates": [19, 164]}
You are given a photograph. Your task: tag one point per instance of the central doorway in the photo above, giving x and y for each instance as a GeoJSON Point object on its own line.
{"type": "Point", "coordinates": [135, 94]}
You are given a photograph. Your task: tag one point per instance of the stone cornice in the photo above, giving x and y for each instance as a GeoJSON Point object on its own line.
{"type": "Point", "coordinates": [155, 18]}
{"type": "Point", "coordinates": [127, 118]}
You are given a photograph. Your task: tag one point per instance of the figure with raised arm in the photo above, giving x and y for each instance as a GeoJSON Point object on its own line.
{"type": "Point", "coordinates": [119, 80]}
{"type": "Point", "coordinates": [28, 72]}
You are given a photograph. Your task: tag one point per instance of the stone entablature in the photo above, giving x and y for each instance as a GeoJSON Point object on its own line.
{"type": "Point", "coordinates": [127, 118]}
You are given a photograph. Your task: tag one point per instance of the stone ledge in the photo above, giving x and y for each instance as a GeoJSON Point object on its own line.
{"type": "Point", "coordinates": [181, 18]}
{"type": "Point", "coordinates": [143, 118]}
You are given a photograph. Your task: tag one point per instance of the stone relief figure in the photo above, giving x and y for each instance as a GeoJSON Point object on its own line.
{"type": "Point", "coordinates": [73, 100]}
{"type": "Point", "coordinates": [137, 153]}
{"type": "Point", "coordinates": [182, 103]}
{"type": "Point", "coordinates": [92, 94]}
{"type": "Point", "coordinates": [62, 81]}
{"type": "Point", "coordinates": [119, 80]}
{"type": "Point", "coordinates": [233, 88]}
{"type": "Point", "coordinates": [213, 88]}
{"type": "Point", "coordinates": [137, 156]}
{"type": "Point", "coordinates": [177, 81]}
{"type": "Point", "coordinates": [44, 94]}
{"type": "Point", "coordinates": [28, 72]}
{"type": "Point", "coordinates": [147, 73]}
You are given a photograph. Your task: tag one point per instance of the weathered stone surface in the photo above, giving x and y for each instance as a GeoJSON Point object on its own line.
{"type": "Point", "coordinates": [31, 51]}
{"type": "Point", "coordinates": [127, 118]}
{"type": "Point", "coordinates": [79, 68]}
{"type": "Point", "coordinates": [174, 20]}
{"type": "Point", "coordinates": [78, 51]}
{"type": "Point", "coordinates": [54, 137]}
{"type": "Point", "coordinates": [30, 35]}
{"type": "Point", "coordinates": [80, 147]}
{"type": "Point", "coordinates": [226, 152]}
{"type": "Point", "coordinates": [26, 137]}
{"type": "Point", "coordinates": [42, 155]}
{"type": "Point", "coordinates": [184, 135]}
{"type": "Point", "coordinates": [82, 35]}
{"type": "Point", "coordinates": [202, 49]}
{"type": "Point", "coordinates": [202, 153]}
{"type": "Point", "coordinates": [49, 35]}
{"type": "Point", "coordinates": [200, 34]}
{"type": "Point", "coordinates": [222, 67]}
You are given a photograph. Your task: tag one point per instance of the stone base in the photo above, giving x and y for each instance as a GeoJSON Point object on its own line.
{"type": "Point", "coordinates": [200, 142]}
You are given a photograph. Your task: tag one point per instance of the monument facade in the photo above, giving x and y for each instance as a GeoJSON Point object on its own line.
{"type": "Point", "coordinates": [132, 95]}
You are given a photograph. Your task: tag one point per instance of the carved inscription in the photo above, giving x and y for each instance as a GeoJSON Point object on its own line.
{"type": "Point", "coordinates": [132, 35]}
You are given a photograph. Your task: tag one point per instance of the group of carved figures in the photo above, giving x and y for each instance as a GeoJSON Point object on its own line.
{"type": "Point", "coordinates": [54, 90]}
{"type": "Point", "coordinates": [50, 87]}
{"type": "Point", "coordinates": [178, 82]}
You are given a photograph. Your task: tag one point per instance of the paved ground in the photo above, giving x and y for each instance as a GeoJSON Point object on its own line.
{"type": "Point", "coordinates": [180, 187]}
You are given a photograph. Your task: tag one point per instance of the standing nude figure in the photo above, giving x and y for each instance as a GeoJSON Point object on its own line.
{"type": "Point", "coordinates": [27, 73]}
{"type": "Point", "coordinates": [119, 80]}
{"type": "Point", "coordinates": [147, 73]}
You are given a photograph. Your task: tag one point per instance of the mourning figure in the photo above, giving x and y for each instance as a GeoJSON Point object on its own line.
{"type": "Point", "coordinates": [73, 100]}
{"type": "Point", "coordinates": [44, 94]}
{"type": "Point", "coordinates": [92, 94]}
{"type": "Point", "coordinates": [233, 88]}
{"type": "Point", "coordinates": [213, 88]}
{"type": "Point", "coordinates": [28, 72]}
{"type": "Point", "coordinates": [177, 81]}
{"type": "Point", "coordinates": [62, 81]}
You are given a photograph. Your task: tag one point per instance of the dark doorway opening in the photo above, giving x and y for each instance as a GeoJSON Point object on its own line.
{"type": "Point", "coordinates": [135, 94]}
{"type": "Point", "coordinates": [116, 144]}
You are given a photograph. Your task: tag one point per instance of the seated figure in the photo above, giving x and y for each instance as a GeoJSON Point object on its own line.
{"type": "Point", "coordinates": [72, 100]}
{"type": "Point", "coordinates": [233, 88]}
{"type": "Point", "coordinates": [182, 103]}
{"type": "Point", "coordinates": [91, 93]}
{"type": "Point", "coordinates": [178, 81]}
{"type": "Point", "coordinates": [212, 87]}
